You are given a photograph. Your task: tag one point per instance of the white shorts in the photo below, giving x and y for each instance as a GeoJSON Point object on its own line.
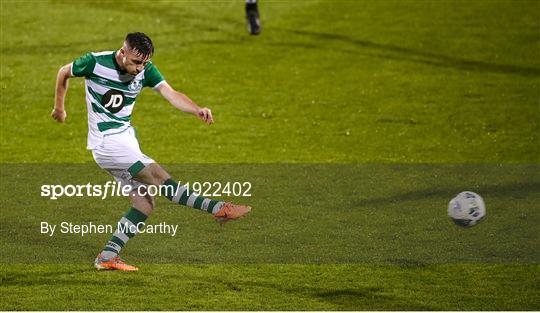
{"type": "Point", "coordinates": [120, 155]}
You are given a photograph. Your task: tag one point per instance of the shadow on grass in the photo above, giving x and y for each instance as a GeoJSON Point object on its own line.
{"type": "Point", "coordinates": [516, 190]}
{"type": "Point", "coordinates": [346, 298]}
{"type": "Point", "coordinates": [406, 263]}
{"type": "Point", "coordinates": [429, 58]}
{"type": "Point", "coordinates": [386, 51]}
{"type": "Point", "coordinates": [352, 298]}
{"type": "Point", "coordinates": [349, 298]}
{"type": "Point", "coordinates": [329, 40]}
{"type": "Point", "coordinates": [67, 277]}
{"type": "Point", "coordinates": [404, 54]}
{"type": "Point", "coordinates": [371, 298]}
{"type": "Point", "coordinates": [78, 47]}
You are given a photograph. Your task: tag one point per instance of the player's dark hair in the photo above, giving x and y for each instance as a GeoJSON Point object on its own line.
{"type": "Point", "coordinates": [141, 43]}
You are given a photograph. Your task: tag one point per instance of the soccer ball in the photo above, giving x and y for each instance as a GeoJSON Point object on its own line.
{"type": "Point", "coordinates": [467, 209]}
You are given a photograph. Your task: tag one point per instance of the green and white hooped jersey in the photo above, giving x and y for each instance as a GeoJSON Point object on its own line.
{"type": "Point", "coordinates": [110, 92]}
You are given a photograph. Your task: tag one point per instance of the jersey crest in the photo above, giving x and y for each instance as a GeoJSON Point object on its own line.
{"type": "Point", "coordinates": [135, 85]}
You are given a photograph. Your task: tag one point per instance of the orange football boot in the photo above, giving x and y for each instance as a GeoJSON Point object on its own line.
{"type": "Point", "coordinates": [115, 263]}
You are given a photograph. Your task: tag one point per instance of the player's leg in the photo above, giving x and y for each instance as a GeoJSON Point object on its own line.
{"type": "Point", "coordinates": [153, 174]}
{"type": "Point", "coordinates": [142, 206]}
{"type": "Point", "coordinates": [252, 17]}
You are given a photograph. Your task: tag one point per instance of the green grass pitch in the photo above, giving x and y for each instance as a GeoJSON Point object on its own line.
{"type": "Point", "coordinates": [355, 121]}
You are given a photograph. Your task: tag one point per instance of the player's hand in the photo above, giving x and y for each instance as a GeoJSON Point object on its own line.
{"type": "Point", "coordinates": [206, 115]}
{"type": "Point", "coordinates": [59, 115]}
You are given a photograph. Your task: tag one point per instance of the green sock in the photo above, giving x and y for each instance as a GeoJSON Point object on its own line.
{"type": "Point", "coordinates": [127, 228]}
{"type": "Point", "coordinates": [179, 194]}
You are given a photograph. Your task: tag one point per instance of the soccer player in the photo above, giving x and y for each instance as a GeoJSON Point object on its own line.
{"type": "Point", "coordinates": [114, 79]}
{"type": "Point", "coordinates": [252, 17]}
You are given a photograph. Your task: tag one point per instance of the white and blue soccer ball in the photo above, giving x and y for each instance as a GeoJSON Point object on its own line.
{"type": "Point", "coordinates": [467, 209]}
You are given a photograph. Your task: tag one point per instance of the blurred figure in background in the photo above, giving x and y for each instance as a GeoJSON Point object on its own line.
{"type": "Point", "coordinates": [252, 16]}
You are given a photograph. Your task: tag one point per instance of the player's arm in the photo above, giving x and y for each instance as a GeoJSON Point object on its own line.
{"type": "Point", "coordinates": [59, 112]}
{"type": "Point", "coordinates": [183, 103]}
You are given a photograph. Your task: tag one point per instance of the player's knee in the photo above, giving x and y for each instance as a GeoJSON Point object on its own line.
{"type": "Point", "coordinates": [152, 174]}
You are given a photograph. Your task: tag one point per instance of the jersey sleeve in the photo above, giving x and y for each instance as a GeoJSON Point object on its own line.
{"type": "Point", "coordinates": [83, 66]}
{"type": "Point", "coordinates": [152, 76]}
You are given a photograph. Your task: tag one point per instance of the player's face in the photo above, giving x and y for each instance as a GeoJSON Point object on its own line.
{"type": "Point", "coordinates": [133, 62]}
